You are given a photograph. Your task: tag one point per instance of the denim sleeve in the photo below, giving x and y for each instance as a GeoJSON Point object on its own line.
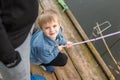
{"type": "Point", "coordinates": [63, 41]}
{"type": "Point", "coordinates": [46, 56]}
{"type": "Point", "coordinates": [33, 56]}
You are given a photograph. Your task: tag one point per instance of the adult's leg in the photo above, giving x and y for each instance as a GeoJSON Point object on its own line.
{"type": "Point", "coordinates": [22, 70]}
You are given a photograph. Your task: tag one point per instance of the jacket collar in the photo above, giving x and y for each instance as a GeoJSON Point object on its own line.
{"type": "Point", "coordinates": [49, 40]}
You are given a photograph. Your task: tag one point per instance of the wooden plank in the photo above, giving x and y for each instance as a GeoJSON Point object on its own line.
{"type": "Point", "coordinates": [91, 47]}
{"type": "Point", "coordinates": [68, 72]}
{"type": "Point", "coordinates": [81, 63]}
{"type": "Point", "coordinates": [85, 69]}
{"type": "Point", "coordinates": [37, 70]}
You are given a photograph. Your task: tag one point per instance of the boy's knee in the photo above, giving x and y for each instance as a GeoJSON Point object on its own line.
{"type": "Point", "coordinates": [64, 59]}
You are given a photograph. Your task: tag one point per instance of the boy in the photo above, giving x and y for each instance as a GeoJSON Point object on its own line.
{"type": "Point", "coordinates": [47, 43]}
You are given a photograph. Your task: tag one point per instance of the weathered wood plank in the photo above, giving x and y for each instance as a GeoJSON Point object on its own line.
{"type": "Point", "coordinates": [68, 72]}
{"type": "Point", "coordinates": [90, 46]}
{"type": "Point", "coordinates": [81, 63]}
{"type": "Point", "coordinates": [37, 70]}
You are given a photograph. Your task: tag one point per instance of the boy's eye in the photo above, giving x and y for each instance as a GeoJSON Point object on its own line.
{"type": "Point", "coordinates": [54, 26]}
{"type": "Point", "coordinates": [47, 28]}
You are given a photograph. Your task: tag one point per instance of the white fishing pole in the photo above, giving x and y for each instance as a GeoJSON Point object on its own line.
{"type": "Point", "coordinates": [95, 39]}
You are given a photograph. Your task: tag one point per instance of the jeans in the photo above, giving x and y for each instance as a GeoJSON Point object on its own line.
{"type": "Point", "coordinates": [22, 70]}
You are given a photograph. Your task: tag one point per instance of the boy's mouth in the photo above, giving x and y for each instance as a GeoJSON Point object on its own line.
{"type": "Point", "coordinates": [52, 33]}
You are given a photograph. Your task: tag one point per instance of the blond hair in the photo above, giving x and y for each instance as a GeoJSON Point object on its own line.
{"type": "Point", "coordinates": [47, 16]}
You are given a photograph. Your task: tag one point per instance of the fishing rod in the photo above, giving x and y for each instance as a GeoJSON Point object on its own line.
{"type": "Point", "coordinates": [95, 39]}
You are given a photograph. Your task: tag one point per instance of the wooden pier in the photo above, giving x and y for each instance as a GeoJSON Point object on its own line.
{"type": "Point", "coordinates": [84, 62]}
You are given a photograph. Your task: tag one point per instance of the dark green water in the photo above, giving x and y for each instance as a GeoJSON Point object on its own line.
{"type": "Point", "coordinates": [90, 12]}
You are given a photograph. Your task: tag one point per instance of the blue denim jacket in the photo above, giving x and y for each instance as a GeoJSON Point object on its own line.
{"type": "Point", "coordinates": [43, 48]}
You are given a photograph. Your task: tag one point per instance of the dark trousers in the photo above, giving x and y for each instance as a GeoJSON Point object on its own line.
{"type": "Point", "coordinates": [60, 60]}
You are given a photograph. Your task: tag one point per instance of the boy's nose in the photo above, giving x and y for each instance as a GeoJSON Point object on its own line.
{"type": "Point", "coordinates": [51, 29]}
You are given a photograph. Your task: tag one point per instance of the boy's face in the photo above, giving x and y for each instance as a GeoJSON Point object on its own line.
{"type": "Point", "coordinates": [51, 29]}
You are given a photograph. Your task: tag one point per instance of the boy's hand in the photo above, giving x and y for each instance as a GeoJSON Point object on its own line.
{"type": "Point", "coordinates": [60, 47]}
{"type": "Point", "coordinates": [69, 44]}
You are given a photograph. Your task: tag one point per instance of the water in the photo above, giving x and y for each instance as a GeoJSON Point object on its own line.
{"type": "Point", "coordinates": [90, 12]}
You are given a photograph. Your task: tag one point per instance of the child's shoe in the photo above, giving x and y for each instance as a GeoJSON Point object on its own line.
{"type": "Point", "coordinates": [50, 69]}
{"type": "Point", "coordinates": [37, 77]}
